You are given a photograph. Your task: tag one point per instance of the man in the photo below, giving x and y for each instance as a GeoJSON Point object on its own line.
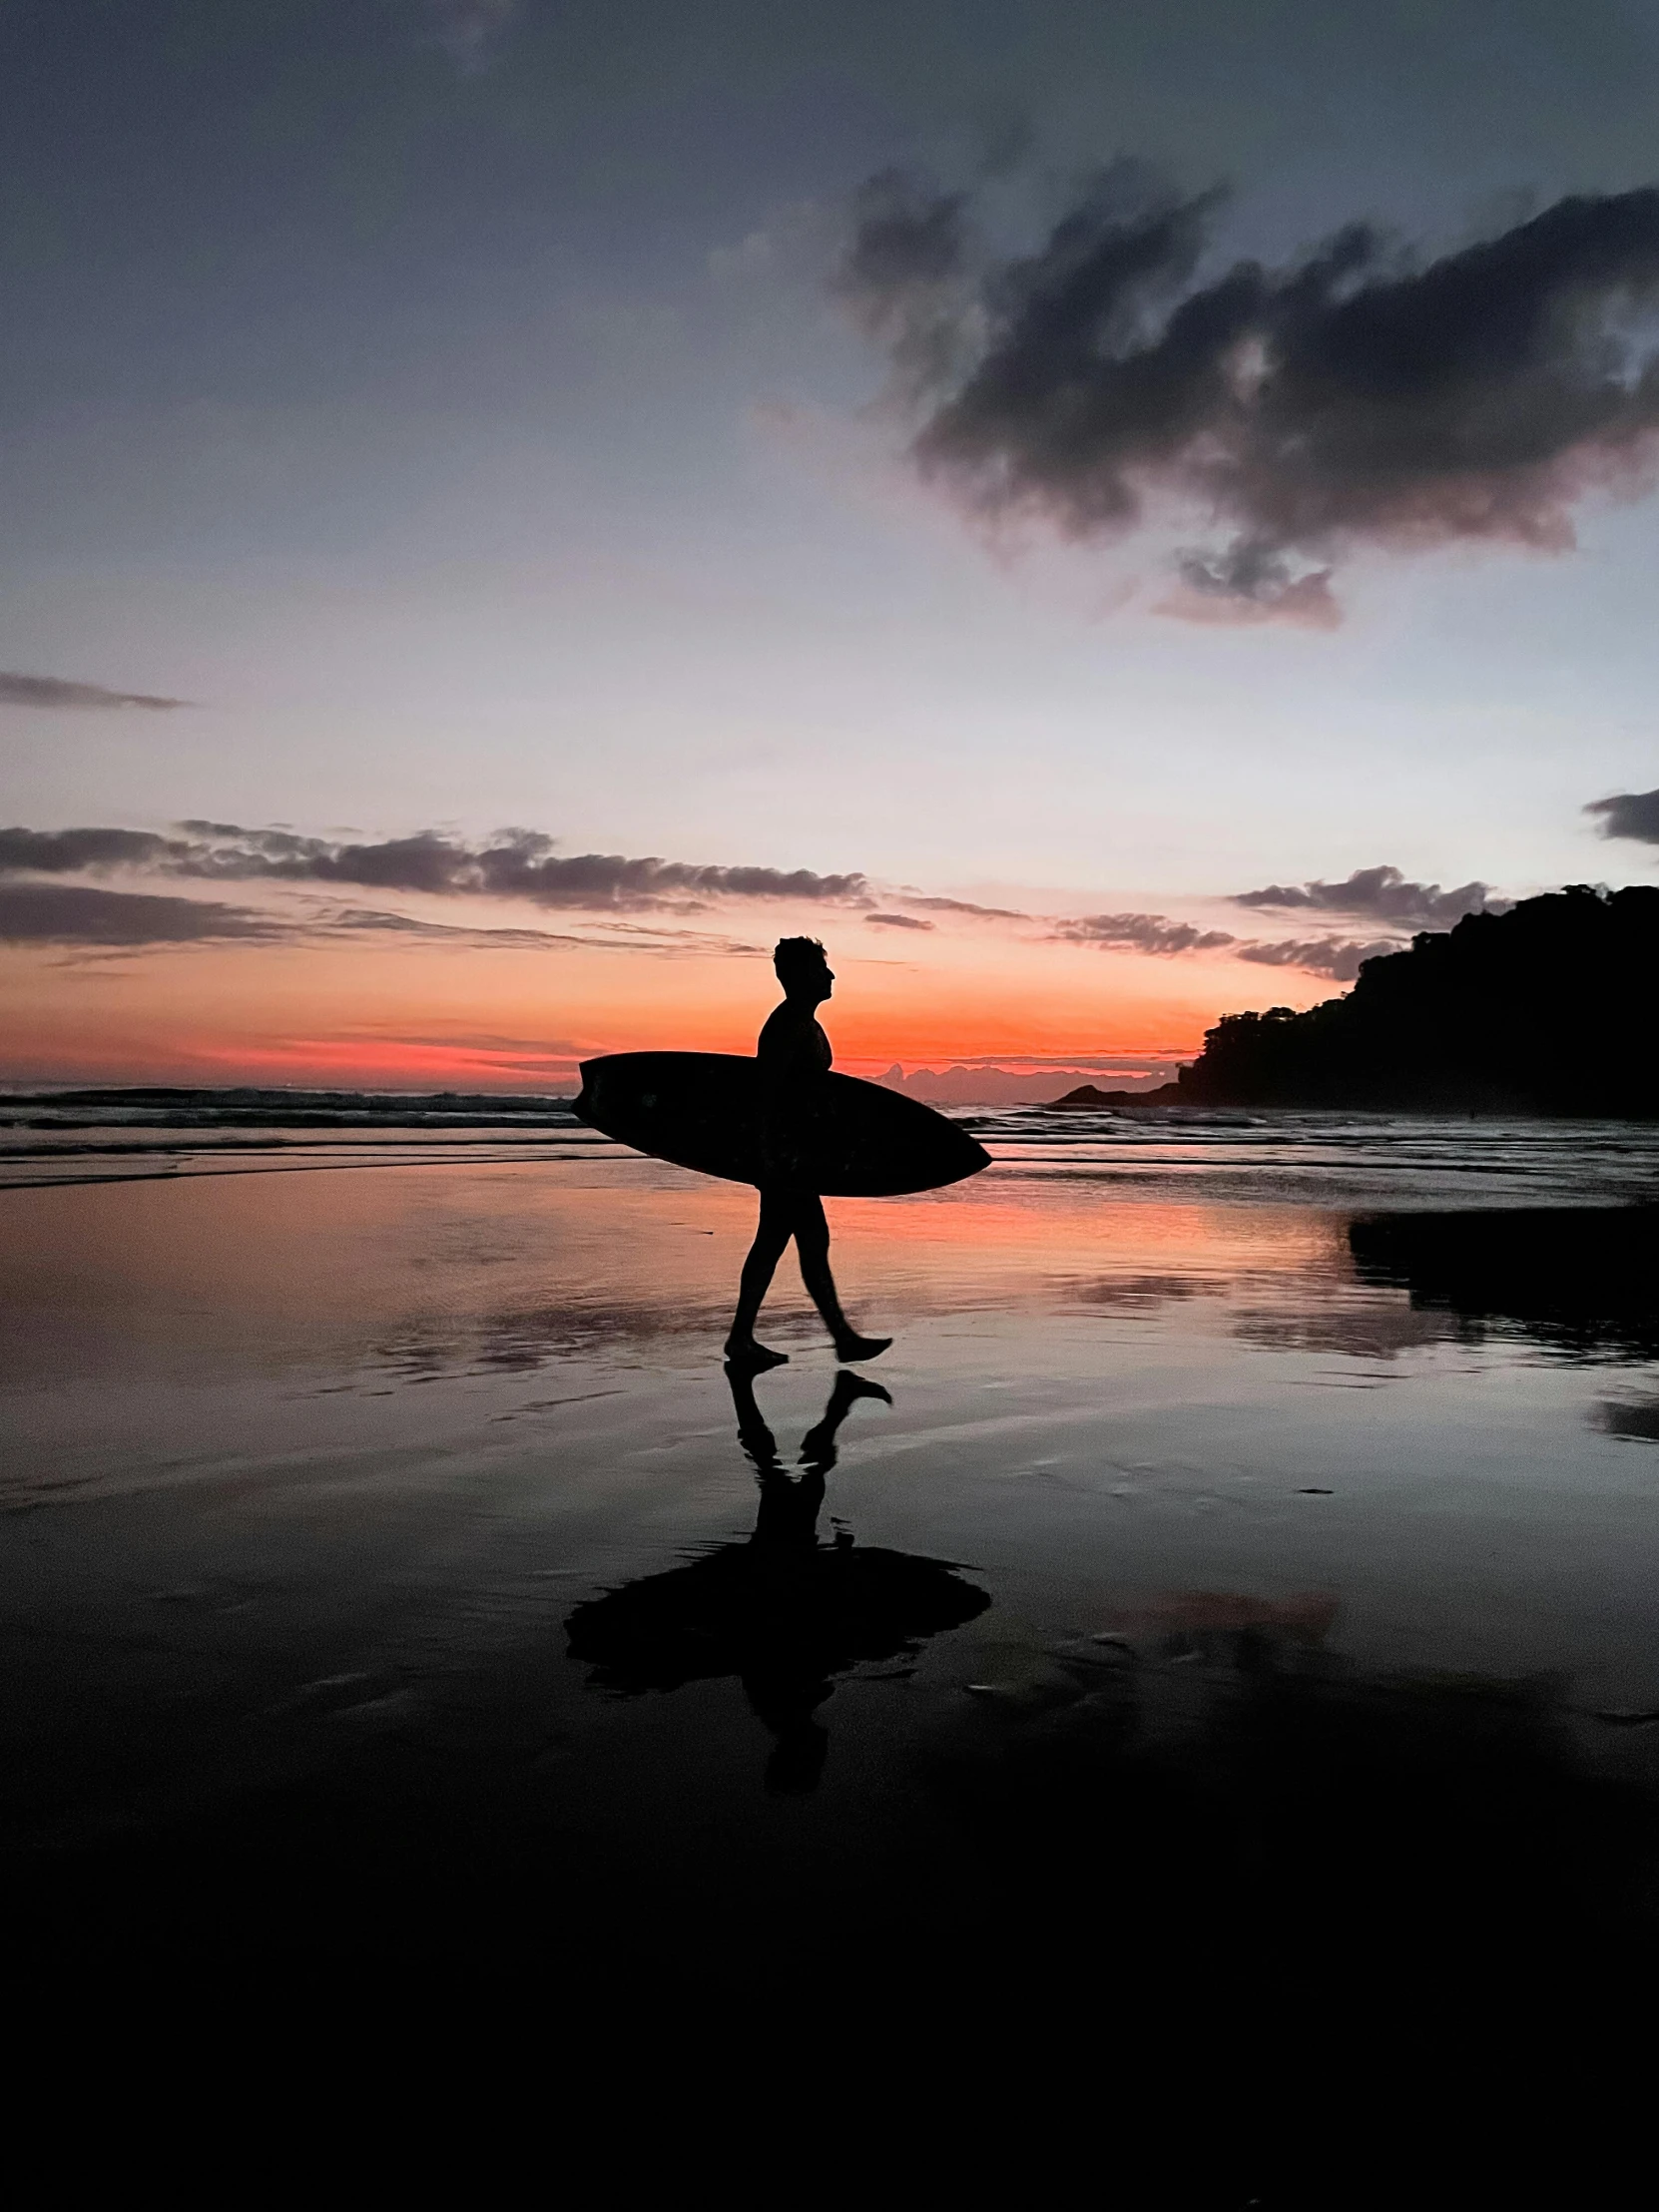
{"type": "Point", "coordinates": [794, 1057]}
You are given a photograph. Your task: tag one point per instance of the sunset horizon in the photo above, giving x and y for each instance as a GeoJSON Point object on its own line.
{"type": "Point", "coordinates": [451, 972]}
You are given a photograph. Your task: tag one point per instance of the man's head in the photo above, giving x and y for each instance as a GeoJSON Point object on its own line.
{"type": "Point", "coordinates": [803, 969]}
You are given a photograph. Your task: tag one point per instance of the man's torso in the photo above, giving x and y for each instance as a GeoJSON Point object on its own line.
{"type": "Point", "coordinates": [793, 1047]}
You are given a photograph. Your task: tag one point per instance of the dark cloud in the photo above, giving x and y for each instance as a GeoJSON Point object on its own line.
{"type": "Point", "coordinates": [902, 277]}
{"type": "Point", "coordinates": [1384, 893]}
{"type": "Point", "coordinates": [606, 937]}
{"type": "Point", "coordinates": [1337, 957]}
{"type": "Point", "coordinates": [54, 690]}
{"type": "Point", "coordinates": [1350, 395]}
{"type": "Point", "coordinates": [76, 913]}
{"type": "Point", "coordinates": [1244, 583]}
{"type": "Point", "coordinates": [965, 906]}
{"type": "Point", "coordinates": [353, 920]}
{"type": "Point", "coordinates": [1140, 933]}
{"type": "Point", "coordinates": [1629, 814]}
{"type": "Point", "coordinates": [906, 234]}
{"type": "Point", "coordinates": [898, 921]}
{"type": "Point", "coordinates": [518, 864]}
{"type": "Point", "coordinates": [653, 937]}
{"type": "Point", "coordinates": [74, 851]}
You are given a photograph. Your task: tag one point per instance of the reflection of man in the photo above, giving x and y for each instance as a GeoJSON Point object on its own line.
{"type": "Point", "coordinates": [794, 1057]}
{"type": "Point", "coordinates": [787, 1678]}
{"type": "Point", "coordinates": [782, 1610]}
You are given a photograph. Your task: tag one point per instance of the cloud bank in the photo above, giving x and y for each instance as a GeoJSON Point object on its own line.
{"type": "Point", "coordinates": [520, 864]}
{"type": "Point", "coordinates": [1140, 933]}
{"type": "Point", "coordinates": [1382, 893]}
{"type": "Point", "coordinates": [963, 906]}
{"type": "Point", "coordinates": [78, 914]}
{"type": "Point", "coordinates": [1337, 957]}
{"type": "Point", "coordinates": [1632, 815]}
{"type": "Point", "coordinates": [82, 915]}
{"type": "Point", "coordinates": [1354, 395]}
{"type": "Point", "coordinates": [55, 690]}
{"type": "Point", "coordinates": [605, 938]}
{"type": "Point", "coordinates": [76, 852]}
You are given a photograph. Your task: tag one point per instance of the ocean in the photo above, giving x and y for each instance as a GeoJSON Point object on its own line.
{"type": "Point", "coordinates": [61, 1135]}
{"type": "Point", "coordinates": [1236, 1486]}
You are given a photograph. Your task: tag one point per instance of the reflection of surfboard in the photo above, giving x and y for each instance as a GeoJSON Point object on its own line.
{"type": "Point", "coordinates": [703, 1110]}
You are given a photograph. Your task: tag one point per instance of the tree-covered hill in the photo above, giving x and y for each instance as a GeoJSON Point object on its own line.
{"type": "Point", "coordinates": [1548, 1009]}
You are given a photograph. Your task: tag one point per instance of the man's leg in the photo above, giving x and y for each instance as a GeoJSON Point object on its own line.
{"type": "Point", "coordinates": [773, 1233]}
{"type": "Point", "coordinates": [752, 1434]}
{"type": "Point", "coordinates": [811, 1245]}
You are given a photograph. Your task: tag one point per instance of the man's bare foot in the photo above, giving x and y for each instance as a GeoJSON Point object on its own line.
{"type": "Point", "coordinates": [854, 1347]}
{"type": "Point", "coordinates": [752, 1358]}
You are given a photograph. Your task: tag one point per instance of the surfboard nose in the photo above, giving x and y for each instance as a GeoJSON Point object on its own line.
{"type": "Point", "coordinates": [583, 1104]}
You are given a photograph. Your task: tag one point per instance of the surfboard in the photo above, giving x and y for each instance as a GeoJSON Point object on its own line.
{"type": "Point", "coordinates": [703, 1110]}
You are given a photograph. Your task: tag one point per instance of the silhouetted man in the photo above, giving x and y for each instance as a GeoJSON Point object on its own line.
{"type": "Point", "coordinates": [794, 1057]}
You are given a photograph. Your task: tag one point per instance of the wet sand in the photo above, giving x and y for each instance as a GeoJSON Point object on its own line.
{"type": "Point", "coordinates": [1242, 1624]}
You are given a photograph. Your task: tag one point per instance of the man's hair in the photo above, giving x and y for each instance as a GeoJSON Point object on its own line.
{"type": "Point", "coordinates": [795, 955]}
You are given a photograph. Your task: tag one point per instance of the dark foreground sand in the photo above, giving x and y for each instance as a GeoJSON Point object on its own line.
{"type": "Point", "coordinates": [1218, 1685]}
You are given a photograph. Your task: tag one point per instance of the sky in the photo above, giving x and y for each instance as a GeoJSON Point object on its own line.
{"type": "Point", "coordinates": [1106, 515]}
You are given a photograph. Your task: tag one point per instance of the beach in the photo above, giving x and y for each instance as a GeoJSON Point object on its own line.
{"type": "Point", "coordinates": [388, 1562]}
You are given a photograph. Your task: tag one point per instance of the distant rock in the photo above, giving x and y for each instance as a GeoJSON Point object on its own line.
{"type": "Point", "coordinates": [983, 1086]}
{"type": "Point", "coordinates": [1086, 1095]}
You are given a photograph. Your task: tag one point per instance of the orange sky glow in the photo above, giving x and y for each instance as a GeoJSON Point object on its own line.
{"type": "Point", "coordinates": [417, 1013]}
